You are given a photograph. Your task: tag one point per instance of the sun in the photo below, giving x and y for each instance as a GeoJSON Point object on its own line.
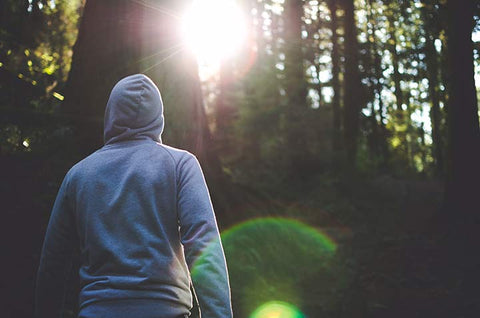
{"type": "Point", "coordinates": [213, 30]}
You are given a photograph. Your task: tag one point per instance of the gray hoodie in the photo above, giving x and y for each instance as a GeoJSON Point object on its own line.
{"type": "Point", "coordinates": [139, 213]}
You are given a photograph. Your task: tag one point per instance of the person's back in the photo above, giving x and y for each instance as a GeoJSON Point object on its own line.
{"type": "Point", "coordinates": [128, 225]}
{"type": "Point", "coordinates": [140, 213]}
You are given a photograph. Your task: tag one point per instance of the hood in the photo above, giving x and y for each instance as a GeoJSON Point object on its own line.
{"type": "Point", "coordinates": [134, 111]}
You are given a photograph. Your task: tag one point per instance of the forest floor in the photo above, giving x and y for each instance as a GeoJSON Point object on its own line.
{"type": "Point", "coordinates": [391, 261]}
{"type": "Point", "coordinates": [399, 263]}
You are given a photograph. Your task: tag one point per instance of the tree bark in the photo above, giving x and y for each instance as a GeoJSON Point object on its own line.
{"type": "Point", "coordinates": [296, 90]}
{"type": "Point", "coordinates": [352, 85]}
{"type": "Point", "coordinates": [381, 143]}
{"type": "Point", "coordinates": [459, 219]}
{"type": "Point", "coordinates": [335, 77]}
{"type": "Point", "coordinates": [224, 110]}
{"type": "Point", "coordinates": [462, 117]}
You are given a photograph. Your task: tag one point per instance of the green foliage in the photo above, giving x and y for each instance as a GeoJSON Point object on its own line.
{"type": "Point", "coordinates": [36, 40]}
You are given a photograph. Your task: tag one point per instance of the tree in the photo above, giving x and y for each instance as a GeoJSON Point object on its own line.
{"type": "Point", "coordinates": [462, 118]}
{"type": "Point", "coordinates": [332, 5]}
{"type": "Point", "coordinates": [296, 89]}
{"type": "Point", "coordinates": [377, 139]}
{"type": "Point", "coordinates": [460, 218]}
{"type": "Point", "coordinates": [119, 38]}
{"type": "Point", "coordinates": [352, 84]}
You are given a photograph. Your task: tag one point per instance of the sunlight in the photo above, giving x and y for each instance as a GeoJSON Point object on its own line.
{"type": "Point", "coordinates": [213, 30]}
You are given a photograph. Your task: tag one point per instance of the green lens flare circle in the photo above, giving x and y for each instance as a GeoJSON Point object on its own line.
{"type": "Point", "coordinates": [276, 309]}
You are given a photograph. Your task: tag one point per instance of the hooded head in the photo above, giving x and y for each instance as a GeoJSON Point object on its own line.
{"type": "Point", "coordinates": [134, 111]}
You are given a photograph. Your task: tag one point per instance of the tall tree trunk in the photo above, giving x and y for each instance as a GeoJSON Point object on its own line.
{"type": "Point", "coordinates": [352, 84]}
{"type": "Point", "coordinates": [332, 4]}
{"type": "Point", "coordinates": [462, 117]}
{"type": "Point", "coordinates": [377, 74]}
{"type": "Point", "coordinates": [121, 37]}
{"type": "Point", "coordinates": [296, 90]}
{"type": "Point", "coordinates": [294, 57]}
{"type": "Point", "coordinates": [460, 219]}
{"type": "Point", "coordinates": [224, 110]}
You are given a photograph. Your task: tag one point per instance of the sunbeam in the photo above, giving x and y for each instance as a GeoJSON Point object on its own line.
{"type": "Point", "coordinates": [162, 60]}
{"type": "Point", "coordinates": [157, 8]}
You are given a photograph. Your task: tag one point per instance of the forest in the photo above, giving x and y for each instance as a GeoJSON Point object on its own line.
{"type": "Point", "coordinates": [339, 139]}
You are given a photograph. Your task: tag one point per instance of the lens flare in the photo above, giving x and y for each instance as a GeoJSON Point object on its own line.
{"type": "Point", "coordinates": [294, 227]}
{"type": "Point", "coordinates": [278, 259]}
{"type": "Point", "coordinates": [213, 29]}
{"type": "Point", "coordinates": [276, 309]}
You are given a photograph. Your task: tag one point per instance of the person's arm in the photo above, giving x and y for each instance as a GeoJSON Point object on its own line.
{"type": "Point", "coordinates": [56, 258]}
{"type": "Point", "coordinates": [201, 240]}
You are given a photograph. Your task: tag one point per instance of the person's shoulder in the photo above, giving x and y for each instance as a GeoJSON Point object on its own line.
{"type": "Point", "coordinates": [82, 165]}
{"type": "Point", "coordinates": [177, 154]}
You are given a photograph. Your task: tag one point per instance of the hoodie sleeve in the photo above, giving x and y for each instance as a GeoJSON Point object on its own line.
{"type": "Point", "coordinates": [56, 257]}
{"type": "Point", "coordinates": [201, 240]}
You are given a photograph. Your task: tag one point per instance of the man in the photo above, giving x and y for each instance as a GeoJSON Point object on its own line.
{"type": "Point", "coordinates": [139, 213]}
